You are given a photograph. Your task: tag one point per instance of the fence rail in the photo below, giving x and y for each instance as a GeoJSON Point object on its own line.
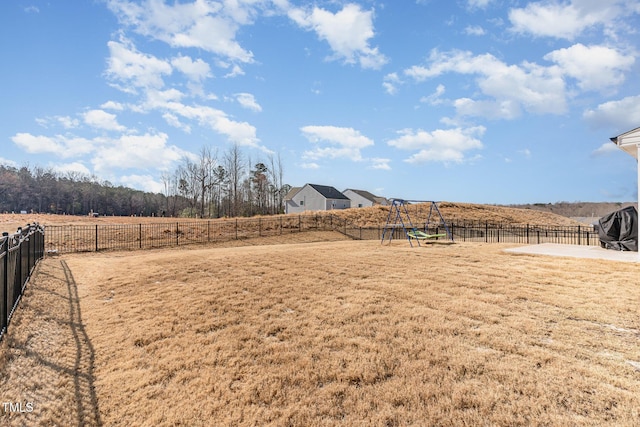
{"type": "Point", "coordinates": [495, 233]}
{"type": "Point", "coordinates": [19, 254]}
{"type": "Point", "coordinates": [94, 238]}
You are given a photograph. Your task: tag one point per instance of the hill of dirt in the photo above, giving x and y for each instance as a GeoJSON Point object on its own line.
{"type": "Point", "coordinates": [578, 209]}
{"type": "Point", "coordinates": [457, 212]}
{"type": "Point", "coordinates": [374, 216]}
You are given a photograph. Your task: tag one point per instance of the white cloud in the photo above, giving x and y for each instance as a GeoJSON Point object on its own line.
{"type": "Point", "coordinates": [595, 67]}
{"type": "Point", "coordinates": [241, 133]}
{"type": "Point", "coordinates": [236, 71]}
{"type": "Point", "coordinates": [480, 4]}
{"type": "Point", "coordinates": [474, 30]}
{"type": "Point", "coordinates": [158, 99]}
{"type": "Point", "coordinates": [137, 70]}
{"type": "Point", "coordinates": [197, 70]}
{"type": "Point", "coordinates": [510, 88]}
{"type": "Point", "coordinates": [391, 82]}
{"type": "Point", "coordinates": [347, 32]}
{"type": "Point", "coordinates": [71, 168]}
{"type": "Point", "coordinates": [310, 165]}
{"type": "Point", "coordinates": [173, 120]}
{"type": "Point", "coordinates": [7, 162]}
{"type": "Point", "coordinates": [435, 97]}
{"type": "Point", "coordinates": [142, 182]}
{"type": "Point", "coordinates": [59, 145]}
{"type": "Point", "coordinates": [132, 69]}
{"type": "Point", "coordinates": [380, 163]}
{"type": "Point", "coordinates": [343, 142]}
{"type": "Point", "coordinates": [248, 101]}
{"type": "Point", "coordinates": [605, 149]}
{"type": "Point", "coordinates": [441, 145]}
{"type": "Point", "coordinates": [37, 144]}
{"type": "Point", "coordinates": [133, 151]}
{"type": "Point", "coordinates": [505, 109]}
{"type": "Point", "coordinates": [66, 122]}
{"type": "Point", "coordinates": [107, 154]}
{"type": "Point", "coordinates": [567, 20]}
{"type": "Point", "coordinates": [202, 24]}
{"type": "Point", "coordinates": [113, 105]}
{"type": "Point", "coordinates": [622, 115]}
{"type": "Point", "coordinates": [526, 152]}
{"type": "Point", "coordinates": [100, 119]}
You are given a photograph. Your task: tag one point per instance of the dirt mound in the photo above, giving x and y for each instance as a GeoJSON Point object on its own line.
{"type": "Point", "coordinates": [455, 212]}
{"type": "Point", "coordinates": [375, 216]}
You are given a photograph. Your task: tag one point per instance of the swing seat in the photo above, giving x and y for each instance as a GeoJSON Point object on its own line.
{"type": "Point", "coordinates": [419, 235]}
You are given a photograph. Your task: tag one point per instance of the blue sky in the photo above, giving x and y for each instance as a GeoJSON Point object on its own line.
{"type": "Point", "coordinates": [487, 101]}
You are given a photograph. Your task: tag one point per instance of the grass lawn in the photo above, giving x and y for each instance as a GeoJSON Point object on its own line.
{"type": "Point", "coordinates": [324, 333]}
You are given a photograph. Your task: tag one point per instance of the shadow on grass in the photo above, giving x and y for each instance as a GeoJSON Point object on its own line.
{"type": "Point", "coordinates": [84, 366]}
{"type": "Point", "coordinates": [47, 357]}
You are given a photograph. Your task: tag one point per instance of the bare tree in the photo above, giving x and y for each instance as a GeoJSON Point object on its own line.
{"type": "Point", "coordinates": [203, 174]}
{"type": "Point", "coordinates": [260, 184]}
{"type": "Point", "coordinates": [276, 174]}
{"type": "Point", "coordinates": [235, 167]}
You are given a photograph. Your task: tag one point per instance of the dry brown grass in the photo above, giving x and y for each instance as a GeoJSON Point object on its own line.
{"type": "Point", "coordinates": [360, 217]}
{"type": "Point", "coordinates": [454, 212]}
{"type": "Point", "coordinates": [327, 333]}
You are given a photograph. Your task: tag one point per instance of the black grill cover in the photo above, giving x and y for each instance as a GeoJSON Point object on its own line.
{"type": "Point", "coordinates": [619, 230]}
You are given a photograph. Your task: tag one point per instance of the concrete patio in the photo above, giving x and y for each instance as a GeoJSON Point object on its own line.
{"type": "Point", "coordinates": [576, 251]}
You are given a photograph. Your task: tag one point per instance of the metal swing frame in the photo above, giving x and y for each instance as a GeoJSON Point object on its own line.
{"type": "Point", "coordinates": [399, 217]}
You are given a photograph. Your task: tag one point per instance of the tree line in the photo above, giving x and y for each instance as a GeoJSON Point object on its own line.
{"type": "Point", "coordinates": [217, 185]}
{"type": "Point", "coordinates": [208, 185]}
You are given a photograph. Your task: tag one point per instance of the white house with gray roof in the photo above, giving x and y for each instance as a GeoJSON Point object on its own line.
{"type": "Point", "coordinates": [363, 199]}
{"type": "Point", "coordinates": [314, 197]}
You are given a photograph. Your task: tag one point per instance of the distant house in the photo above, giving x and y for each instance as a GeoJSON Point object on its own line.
{"type": "Point", "coordinates": [363, 199]}
{"type": "Point", "coordinates": [289, 204]}
{"type": "Point", "coordinates": [313, 197]}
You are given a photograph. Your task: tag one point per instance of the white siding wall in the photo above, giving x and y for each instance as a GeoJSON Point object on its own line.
{"type": "Point", "coordinates": [338, 204]}
{"type": "Point", "coordinates": [291, 206]}
{"type": "Point", "coordinates": [357, 201]}
{"type": "Point", "coordinates": [307, 199]}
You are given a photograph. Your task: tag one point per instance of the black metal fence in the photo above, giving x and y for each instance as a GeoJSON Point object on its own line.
{"type": "Point", "coordinates": [19, 253]}
{"type": "Point", "coordinates": [485, 232]}
{"type": "Point", "coordinates": [94, 238]}
{"type": "Point", "coordinates": [100, 237]}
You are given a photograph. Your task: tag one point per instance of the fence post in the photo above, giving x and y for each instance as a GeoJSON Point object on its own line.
{"type": "Point", "coordinates": [5, 279]}
{"type": "Point", "coordinates": [18, 268]}
{"type": "Point", "coordinates": [29, 246]}
{"type": "Point", "coordinates": [527, 234]}
{"type": "Point", "coordinates": [486, 231]}
{"type": "Point", "coordinates": [236, 228]}
{"type": "Point", "coordinates": [579, 231]}
{"type": "Point", "coordinates": [177, 233]}
{"type": "Point", "coordinates": [96, 237]}
{"type": "Point", "coordinates": [281, 224]}
{"type": "Point", "coordinates": [299, 223]}
{"type": "Point", "coordinates": [140, 234]}
{"type": "Point", "coordinates": [259, 227]}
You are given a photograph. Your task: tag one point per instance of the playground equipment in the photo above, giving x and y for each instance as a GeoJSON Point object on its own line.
{"type": "Point", "coordinates": [399, 218]}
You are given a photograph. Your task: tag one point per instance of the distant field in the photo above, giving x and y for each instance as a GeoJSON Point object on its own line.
{"type": "Point", "coordinates": [326, 333]}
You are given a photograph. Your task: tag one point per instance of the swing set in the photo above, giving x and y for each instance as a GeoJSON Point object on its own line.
{"type": "Point", "coordinates": [399, 218]}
